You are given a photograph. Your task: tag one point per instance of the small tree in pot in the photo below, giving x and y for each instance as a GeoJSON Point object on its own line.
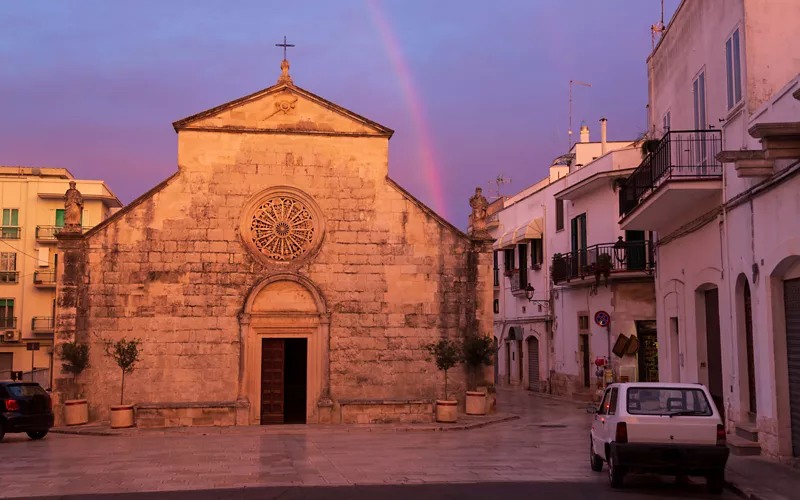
{"type": "Point", "coordinates": [603, 267]}
{"type": "Point", "coordinates": [478, 352]}
{"type": "Point", "coordinates": [447, 354]}
{"type": "Point", "coordinates": [125, 354]}
{"type": "Point", "coordinates": [74, 358]}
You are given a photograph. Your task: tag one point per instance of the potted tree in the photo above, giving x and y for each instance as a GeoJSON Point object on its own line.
{"type": "Point", "coordinates": [478, 352]}
{"type": "Point", "coordinates": [125, 354]}
{"type": "Point", "coordinates": [649, 146]}
{"type": "Point", "coordinates": [74, 358]}
{"type": "Point", "coordinates": [446, 354]}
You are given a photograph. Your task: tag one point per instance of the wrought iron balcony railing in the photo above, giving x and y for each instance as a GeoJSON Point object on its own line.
{"type": "Point", "coordinates": [9, 276]}
{"type": "Point", "coordinates": [682, 155]}
{"type": "Point", "coordinates": [46, 232]}
{"type": "Point", "coordinates": [44, 277]}
{"type": "Point", "coordinates": [8, 322]}
{"type": "Point", "coordinates": [604, 259]}
{"type": "Point", "coordinates": [10, 232]}
{"type": "Point", "coordinates": [42, 324]}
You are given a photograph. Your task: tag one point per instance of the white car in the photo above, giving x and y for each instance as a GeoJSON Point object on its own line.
{"type": "Point", "coordinates": [663, 428]}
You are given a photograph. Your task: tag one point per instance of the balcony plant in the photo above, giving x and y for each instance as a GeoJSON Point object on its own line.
{"type": "Point", "coordinates": [74, 358]}
{"type": "Point", "coordinates": [649, 146]}
{"type": "Point", "coordinates": [559, 271]}
{"type": "Point", "coordinates": [447, 354]}
{"type": "Point", "coordinates": [477, 353]}
{"type": "Point", "coordinates": [125, 354]}
{"type": "Point", "coordinates": [602, 267]}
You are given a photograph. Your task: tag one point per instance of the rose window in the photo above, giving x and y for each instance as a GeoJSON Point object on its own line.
{"type": "Point", "coordinates": [282, 228]}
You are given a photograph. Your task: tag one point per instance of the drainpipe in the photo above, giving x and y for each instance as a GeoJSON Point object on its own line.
{"type": "Point", "coordinates": [731, 370]}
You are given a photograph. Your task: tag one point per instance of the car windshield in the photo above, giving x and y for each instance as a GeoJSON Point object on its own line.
{"type": "Point", "coordinates": [668, 401]}
{"type": "Point", "coordinates": [25, 390]}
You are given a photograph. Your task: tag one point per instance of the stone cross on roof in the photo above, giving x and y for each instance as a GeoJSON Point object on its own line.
{"type": "Point", "coordinates": [284, 78]}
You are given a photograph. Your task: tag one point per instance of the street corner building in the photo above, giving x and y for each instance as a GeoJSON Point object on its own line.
{"type": "Point", "coordinates": [279, 276]}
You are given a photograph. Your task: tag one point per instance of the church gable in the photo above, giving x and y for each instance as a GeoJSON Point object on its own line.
{"type": "Point", "coordinates": [283, 108]}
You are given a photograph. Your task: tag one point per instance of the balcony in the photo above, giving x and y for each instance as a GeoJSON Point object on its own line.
{"type": "Point", "coordinates": [41, 324]}
{"type": "Point", "coordinates": [9, 276]}
{"type": "Point", "coordinates": [10, 232]}
{"type": "Point", "coordinates": [679, 180]}
{"type": "Point", "coordinates": [45, 278]}
{"type": "Point", "coordinates": [46, 234]}
{"type": "Point", "coordinates": [624, 259]}
{"type": "Point", "coordinates": [8, 322]}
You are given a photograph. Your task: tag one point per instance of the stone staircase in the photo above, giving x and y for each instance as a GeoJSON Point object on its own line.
{"type": "Point", "coordinates": [745, 441]}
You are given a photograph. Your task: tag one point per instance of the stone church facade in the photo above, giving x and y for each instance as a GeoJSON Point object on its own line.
{"type": "Point", "coordinates": [279, 275]}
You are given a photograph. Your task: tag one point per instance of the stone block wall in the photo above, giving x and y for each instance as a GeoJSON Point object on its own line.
{"type": "Point", "coordinates": [387, 412]}
{"type": "Point", "coordinates": [172, 270]}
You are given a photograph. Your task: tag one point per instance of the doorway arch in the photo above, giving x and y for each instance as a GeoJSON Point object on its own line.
{"type": "Point", "coordinates": [533, 364]}
{"type": "Point", "coordinates": [283, 309]}
{"type": "Point", "coordinates": [746, 349]}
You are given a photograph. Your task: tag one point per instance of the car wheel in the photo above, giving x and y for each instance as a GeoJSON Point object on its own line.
{"type": "Point", "coordinates": [715, 482]}
{"type": "Point", "coordinates": [594, 461]}
{"type": "Point", "coordinates": [37, 434]}
{"type": "Point", "coordinates": [616, 474]}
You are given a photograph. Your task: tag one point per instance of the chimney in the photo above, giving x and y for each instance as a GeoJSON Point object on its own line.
{"type": "Point", "coordinates": [603, 122]}
{"type": "Point", "coordinates": [584, 133]}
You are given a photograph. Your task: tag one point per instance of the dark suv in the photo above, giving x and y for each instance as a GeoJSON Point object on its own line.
{"type": "Point", "coordinates": [25, 407]}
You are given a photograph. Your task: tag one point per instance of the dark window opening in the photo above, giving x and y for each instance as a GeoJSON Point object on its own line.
{"type": "Point", "coordinates": [508, 259]}
{"type": "Point", "coordinates": [496, 269]}
{"type": "Point", "coordinates": [559, 215]}
{"type": "Point", "coordinates": [523, 265]}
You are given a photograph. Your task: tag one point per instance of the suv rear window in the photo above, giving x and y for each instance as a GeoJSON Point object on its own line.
{"type": "Point", "coordinates": [667, 401]}
{"type": "Point", "coordinates": [25, 390]}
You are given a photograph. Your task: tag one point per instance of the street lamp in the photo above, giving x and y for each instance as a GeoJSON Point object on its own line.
{"type": "Point", "coordinates": [620, 250]}
{"type": "Point", "coordinates": [529, 295]}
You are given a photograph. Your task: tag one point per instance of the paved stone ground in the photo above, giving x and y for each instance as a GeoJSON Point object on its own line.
{"type": "Point", "coordinates": [546, 445]}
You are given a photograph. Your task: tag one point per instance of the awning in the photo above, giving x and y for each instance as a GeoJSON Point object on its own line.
{"type": "Point", "coordinates": [529, 231]}
{"type": "Point", "coordinates": [504, 241]}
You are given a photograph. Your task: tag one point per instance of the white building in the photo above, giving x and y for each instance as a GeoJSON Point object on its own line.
{"type": "Point", "coordinates": [722, 192]}
{"type": "Point", "coordinates": [552, 241]}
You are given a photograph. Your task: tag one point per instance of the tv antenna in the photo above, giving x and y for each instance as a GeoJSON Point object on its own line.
{"type": "Point", "coordinates": [657, 30]}
{"type": "Point", "coordinates": [494, 192]}
{"type": "Point", "coordinates": [569, 144]}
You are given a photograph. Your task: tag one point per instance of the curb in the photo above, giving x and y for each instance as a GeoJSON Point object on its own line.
{"type": "Point", "coordinates": [740, 492]}
{"type": "Point", "coordinates": [464, 427]}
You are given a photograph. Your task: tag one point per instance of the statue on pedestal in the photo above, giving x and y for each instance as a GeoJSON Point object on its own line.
{"type": "Point", "coordinates": [479, 205]}
{"type": "Point", "coordinates": [73, 209]}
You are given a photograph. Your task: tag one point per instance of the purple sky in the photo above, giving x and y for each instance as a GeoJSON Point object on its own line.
{"type": "Point", "coordinates": [93, 86]}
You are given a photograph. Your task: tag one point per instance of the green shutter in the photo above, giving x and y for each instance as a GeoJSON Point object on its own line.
{"type": "Point", "coordinates": [6, 216]}
{"type": "Point", "coordinates": [59, 217]}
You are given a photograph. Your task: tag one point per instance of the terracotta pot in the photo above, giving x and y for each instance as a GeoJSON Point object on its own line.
{"type": "Point", "coordinates": [476, 403]}
{"type": "Point", "coordinates": [76, 412]}
{"type": "Point", "coordinates": [446, 411]}
{"type": "Point", "coordinates": [121, 416]}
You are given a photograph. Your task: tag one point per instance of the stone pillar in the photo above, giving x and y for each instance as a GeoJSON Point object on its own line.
{"type": "Point", "coordinates": [70, 310]}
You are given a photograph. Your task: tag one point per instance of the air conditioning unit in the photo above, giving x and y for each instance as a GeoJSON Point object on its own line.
{"type": "Point", "coordinates": [12, 336]}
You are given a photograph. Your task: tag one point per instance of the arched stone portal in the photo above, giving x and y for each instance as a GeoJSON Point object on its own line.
{"type": "Point", "coordinates": [283, 316]}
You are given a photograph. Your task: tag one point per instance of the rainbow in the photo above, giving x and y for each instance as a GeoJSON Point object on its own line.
{"type": "Point", "coordinates": [414, 104]}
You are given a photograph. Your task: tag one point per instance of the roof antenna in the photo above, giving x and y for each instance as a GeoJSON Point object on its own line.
{"type": "Point", "coordinates": [569, 132]}
{"type": "Point", "coordinates": [494, 193]}
{"type": "Point", "coordinates": [657, 30]}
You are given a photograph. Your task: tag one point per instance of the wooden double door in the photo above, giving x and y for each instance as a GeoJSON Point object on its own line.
{"type": "Point", "coordinates": [283, 381]}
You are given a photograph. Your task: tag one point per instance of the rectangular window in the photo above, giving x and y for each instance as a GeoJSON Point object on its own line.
{"type": "Point", "coordinates": [733, 70]}
{"type": "Point", "coordinates": [8, 267]}
{"type": "Point", "coordinates": [508, 259]}
{"type": "Point", "coordinates": [10, 224]}
{"type": "Point", "coordinates": [579, 244]}
{"type": "Point", "coordinates": [699, 99]}
{"type": "Point", "coordinates": [668, 401]}
{"type": "Point", "coordinates": [537, 254]}
{"type": "Point", "coordinates": [583, 323]}
{"type": "Point", "coordinates": [523, 265]}
{"type": "Point", "coordinates": [496, 268]}
{"type": "Point", "coordinates": [559, 215]}
{"type": "Point", "coordinates": [7, 313]}
{"type": "Point", "coordinates": [497, 306]}
{"type": "Point", "coordinates": [59, 217]}
{"type": "Point", "coordinates": [612, 409]}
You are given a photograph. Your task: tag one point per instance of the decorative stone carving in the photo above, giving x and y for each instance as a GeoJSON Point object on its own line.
{"type": "Point", "coordinates": [479, 205]}
{"type": "Point", "coordinates": [282, 226]}
{"type": "Point", "coordinates": [73, 208]}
